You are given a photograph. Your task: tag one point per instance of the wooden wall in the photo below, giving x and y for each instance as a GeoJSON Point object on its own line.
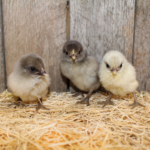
{"type": "Point", "coordinates": [100, 25]}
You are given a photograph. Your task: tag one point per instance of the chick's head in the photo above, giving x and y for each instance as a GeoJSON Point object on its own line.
{"type": "Point", "coordinates": [73, 51]}
{"type": "Point", "coordinates": [114, 62]}
{"type": "Point", "coordinates": [31, 65]}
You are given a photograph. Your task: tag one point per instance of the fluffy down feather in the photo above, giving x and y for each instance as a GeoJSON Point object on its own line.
{"type": "Point", "coordinates": [27, 84]}
{"type": "Point", "coordinates": [84, 74]}
{"type": "Point", "coordinates": [124, 81]}
{"type": "Point", "coordinates": [28, 89]}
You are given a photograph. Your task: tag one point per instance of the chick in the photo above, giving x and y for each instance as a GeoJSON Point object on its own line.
{"type": "Point", "coordinates": [29, 81]}
{"type": "Point", "coordinates": [118, 76]}
{"type": "Point", "coordinates": [81, 69]}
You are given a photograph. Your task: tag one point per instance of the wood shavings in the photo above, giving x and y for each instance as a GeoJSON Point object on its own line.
{"type": "Point", "coordinates": [75, 126]}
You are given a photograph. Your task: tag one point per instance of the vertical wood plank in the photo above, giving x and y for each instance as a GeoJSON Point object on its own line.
{"type": "Point", "coordinates": [39, 27]}
{"type": "Point", "coordinates": [2, 73]}
{"type": "Point", "coordinates": [142, 44]}
{"type": "Point", "coordinates": [103, 25]}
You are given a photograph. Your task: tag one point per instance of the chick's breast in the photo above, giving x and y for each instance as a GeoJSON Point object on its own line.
{"type": "Point", "coordinates": [41, 87]}
{"type": "Point", "coordinates": [84, 75]}
{"type": "Point", "coordinates": [28, 89]}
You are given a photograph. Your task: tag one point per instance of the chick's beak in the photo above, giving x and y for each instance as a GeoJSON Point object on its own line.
{"type": "Point", "coordinates": [114, 72]}
{"type": "Point", "coordinates": [42, 73]}
{"type": "Point", "coordinates": [73, 55]}
{"type": "Point", "coordinates": [73, 58]}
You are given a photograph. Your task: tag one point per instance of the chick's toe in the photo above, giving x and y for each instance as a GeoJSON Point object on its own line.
{"type": "Point", "coordinates": [40, 105]}
{"type": "Point", "coordinates": [78, 94]}
{"type": "Point", "coordinates": [136, 103]}
{"type": "Point", "coordinates": [85, 100]}
{"type": "Point", "coordinates": [107, 102]}
{"type": "Point", "coordinates": [17, 103]}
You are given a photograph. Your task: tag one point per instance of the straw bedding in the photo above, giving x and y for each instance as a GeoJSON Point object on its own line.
{"type": "Point", "coordinates": [75, 127]}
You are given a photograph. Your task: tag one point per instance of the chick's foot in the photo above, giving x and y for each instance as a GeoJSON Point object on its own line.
{"type": "Point", "coordinates": [85, 100]}
{"type": "Point", "coordinates": [136, 103]}
{"type": "Point", "coordinates": [18, 103]}
{"type": "Point", "coordinates": [107, 102]}
{"type": "Point", "coordinates": [40, 105]}
{"type": "Point", "coordinates": [78, 94]}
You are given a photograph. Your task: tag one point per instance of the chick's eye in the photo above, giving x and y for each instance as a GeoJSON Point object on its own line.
{"type": "Point", "coordinates": [107, 65]}
{"type": "Point", "coordinates": [79, 52]}
{"type": "Point", "coordinates": [32, 69]}
{"type": "Point", "coordinates": [66, 53]}
{"type": "Point", "coordinates": [120, 66]}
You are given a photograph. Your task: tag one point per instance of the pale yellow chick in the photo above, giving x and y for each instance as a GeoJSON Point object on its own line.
{"type": "Point", "coordinates": [118, 76]}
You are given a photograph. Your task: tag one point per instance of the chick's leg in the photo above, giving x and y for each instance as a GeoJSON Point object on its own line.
{"type": "Point", "coordinates": [40, 105]}
{"type": "Point", "coordinates": [136, 103]}
{"type": "Point", "coordinates": [18, 103]}
{"type": "Point", "coordinates": [107, 102]}
{"type": "Point", "coordinates": [86, 99]}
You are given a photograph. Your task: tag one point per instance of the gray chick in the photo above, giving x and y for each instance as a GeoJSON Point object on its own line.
{"type": "Point", "coordinates": [81, 69]}
{"type": "Point", "coordinates": [29, 81]}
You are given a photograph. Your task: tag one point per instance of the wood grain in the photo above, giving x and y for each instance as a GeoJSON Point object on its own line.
{"type": "Point", "coordinates": [39, 27]}
{"type": "Point", "coordinates": [2, 74]}
{"type": "Point", "coordinates": [103, 25]}
{"type": "Point", "coordinates": [142, 44]}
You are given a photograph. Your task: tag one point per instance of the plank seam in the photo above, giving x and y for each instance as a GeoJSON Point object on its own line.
{"type": "Point", "coordinates": [135, 11]}
{"type": "Point", "coordinates": [3, 47]}
{"type": "Point", "coordinates": [68, 33]}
